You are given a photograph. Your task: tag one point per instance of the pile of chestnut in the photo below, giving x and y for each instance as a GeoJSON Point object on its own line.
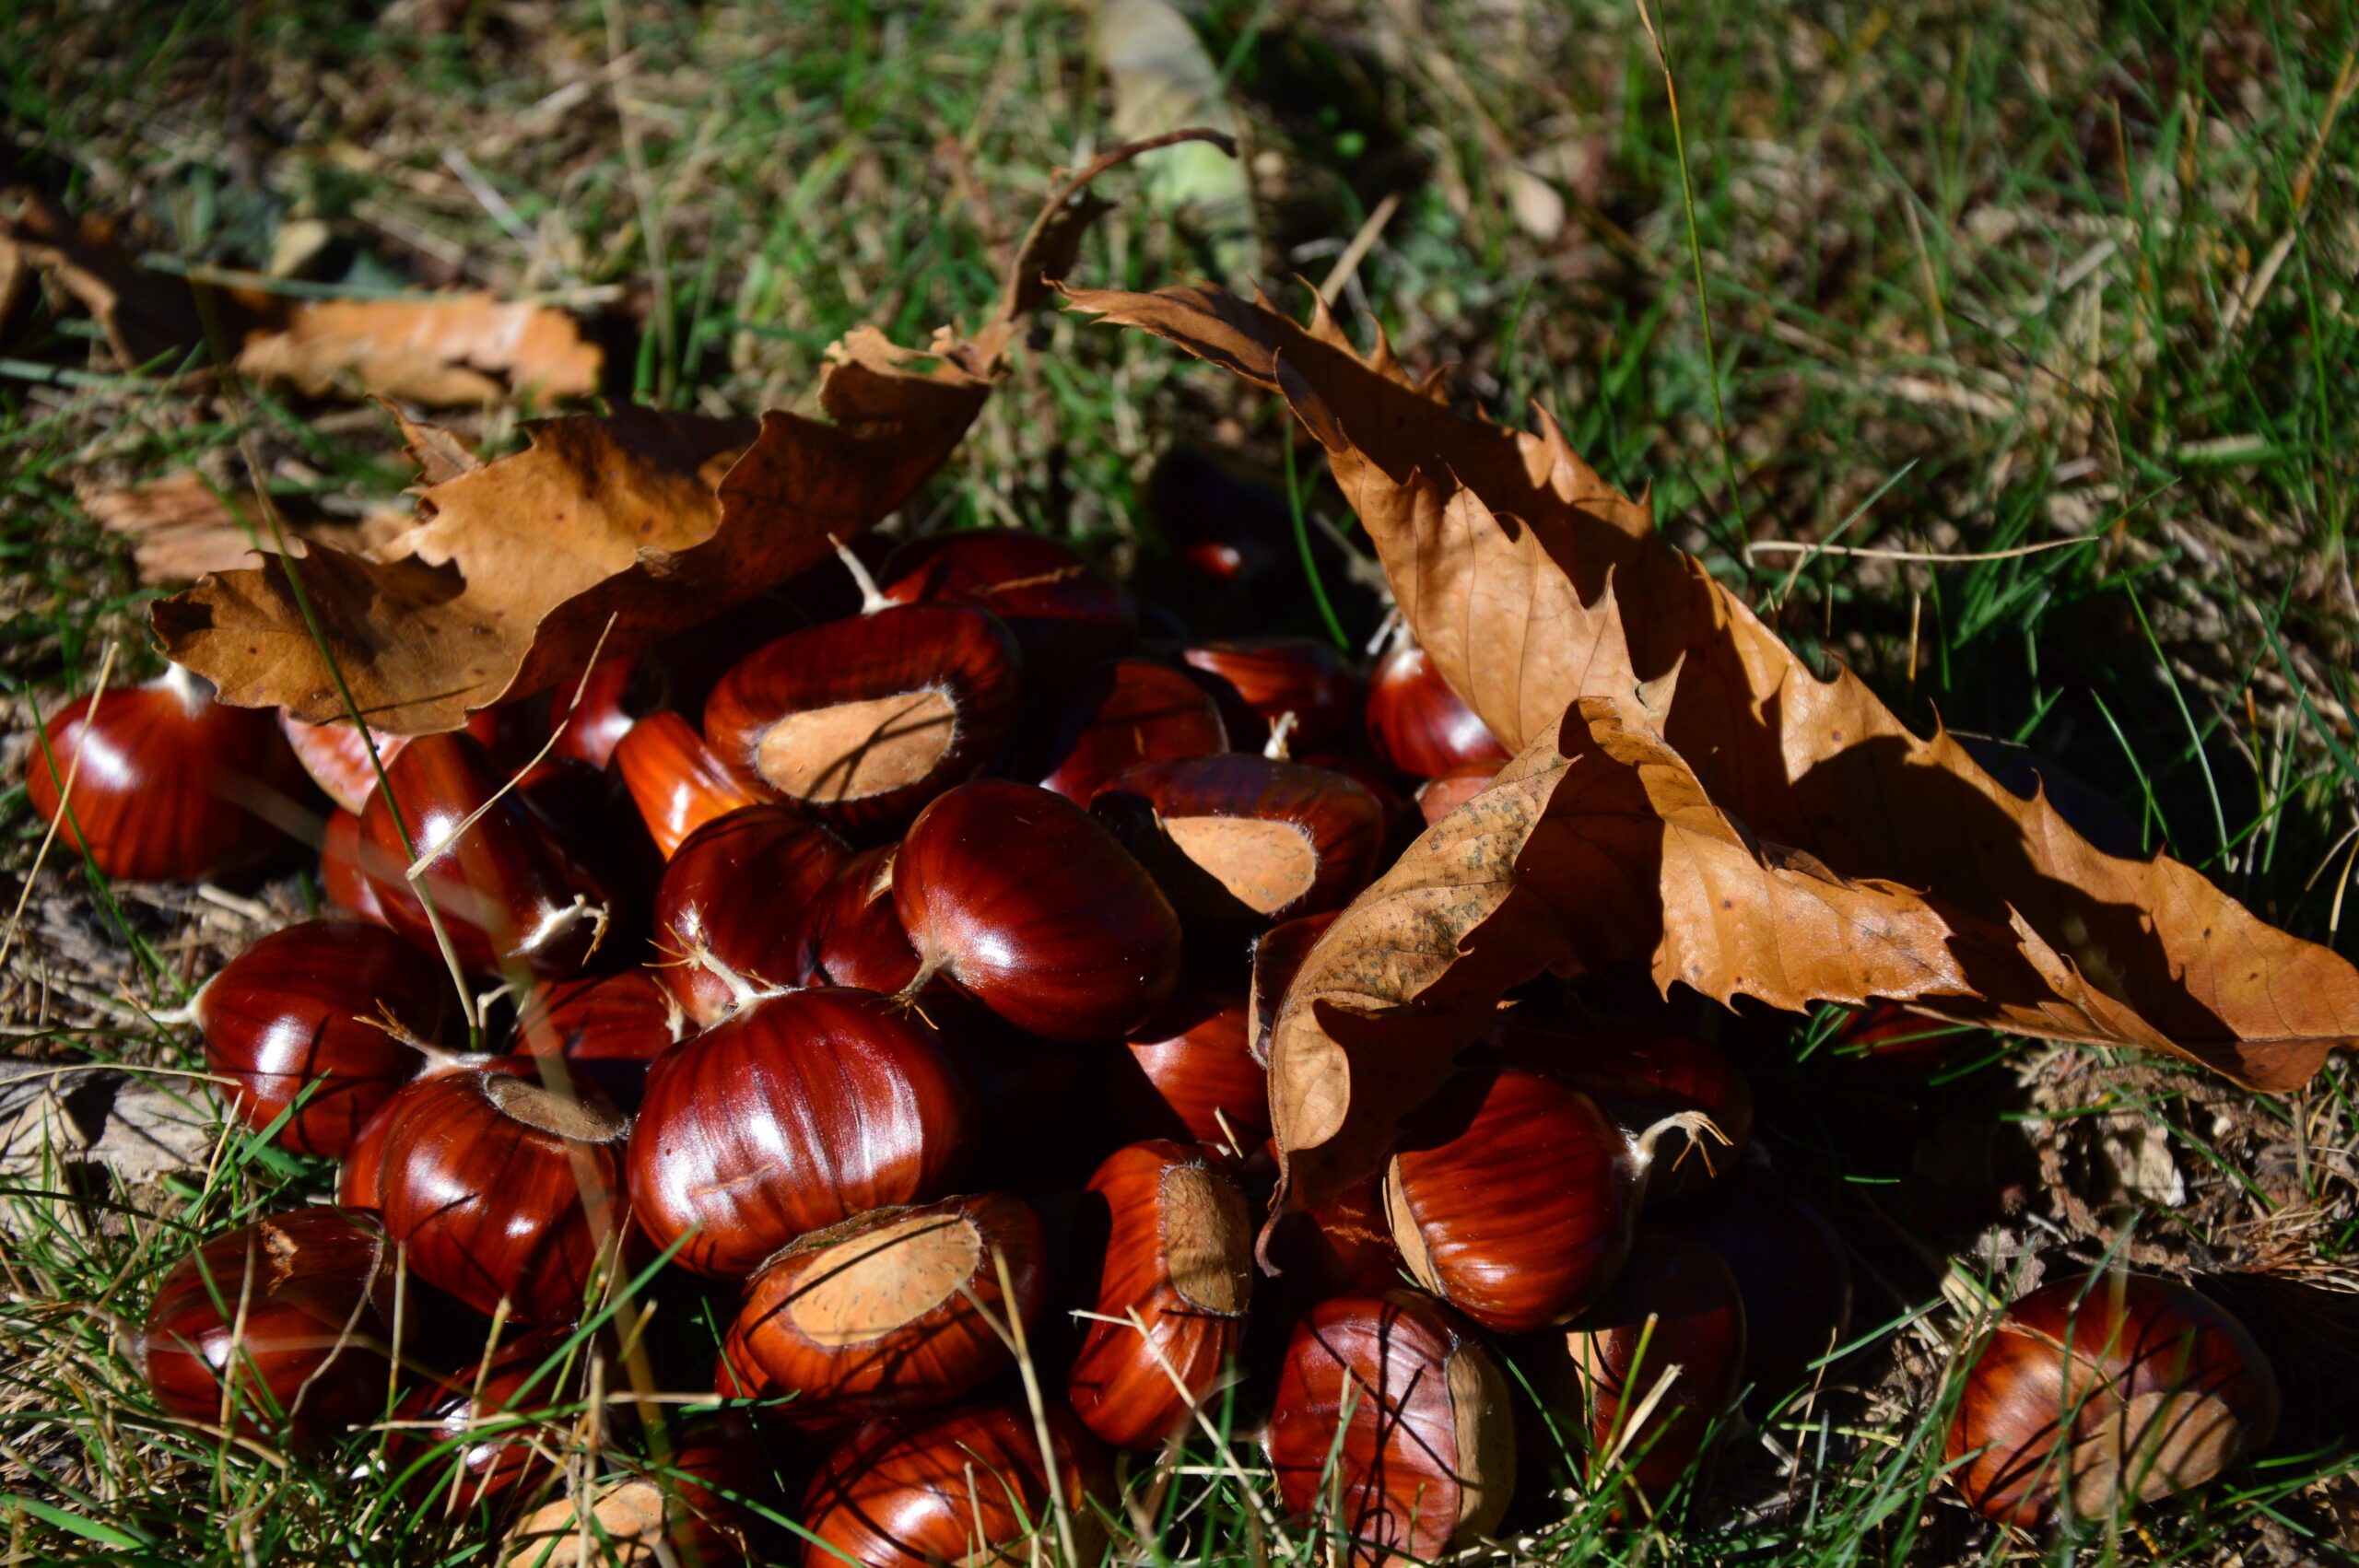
{"type": "Point", "coordinates": [881, 986]}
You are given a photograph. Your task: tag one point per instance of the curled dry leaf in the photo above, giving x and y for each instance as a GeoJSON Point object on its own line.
{"type": "Point", "coordinates": [655, 521]}
{"type": "Point", "coordinates": [1500, 546]}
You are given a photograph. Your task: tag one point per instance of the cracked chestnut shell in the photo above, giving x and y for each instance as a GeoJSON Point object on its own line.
{"type": "Point", "coordinates": [1245, 839]}
{"type": "Point", "coordinates": [734, 908]}
{"type": "Point", "coordinates": [910, 1492]}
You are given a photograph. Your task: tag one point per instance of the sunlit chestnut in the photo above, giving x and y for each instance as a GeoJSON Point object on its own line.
{"type": "Point", "coordinates": [321, 1023]}
{"type": "Point", "coordinates": [1513, 1196]}
{"type": "Point", "coordinates": [1176, 1275]}
{"type": "Point", "coordinates": [1440, 796]}
{"type": "Point", "coordinates": [1390, 1424]}
{"type": "Point", "coordinates": [733, 912]}
{"type": "Point", "coordinates": [1113, 717]}
{"type": "Point", "coordinates": [674, 779]}
{"type": "Point", "coordinates": [171, 784]}
{"type": "Point", "coordinates": [503, 888]}
{"type": "Point", "coordinates": [499, 1185]}
{"type": "Point", "coordinates": [341, 879]}
{"type": "Point", "coordinates": [1244, 838]}
{"type": "Point", "coordinates": [1260, 680]}
{"type": "Point", "coordinates": [862, 721]}
{"type": "Point", "coordinates": [2094, 1392]}
{"type": "Point", "coordinates": [486, 1430]}
{"type": "Point", "coordinates": [338, 758]}
{"type": "Point", "coordinates": [600, 706]}
{"type": "Point", "coordinates": [1674, 1305]}
{"type": "Point", "coordinates": [967, 1486]}
{"type": "Point", "coordinates": [1062, 609]}
{"type": "Point", "coordinates": [1640, 1079]}
{"type": "Point", "coordinates": [609, 1028]}
{"type": "Point", "coordinates": [286, 1322]}
{"type": "Point", "coordinates": [1189, 1072]}
{"type": "Point", "coordinates": [1277, 958]}
{"type": "Point", "coordinates": [1035, 910]}
{"type": "Point", "coordinates": [894, 1310]}
{"type": "Point", "coordinates": [796, 1113]}
{"type": "Point", "coordinates": [856, 938]}
{"type": "Point", "coordinates": [1416, 723]}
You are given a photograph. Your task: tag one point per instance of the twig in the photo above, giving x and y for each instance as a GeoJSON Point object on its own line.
{"type": "Point", "coordinates": [1782, 546]}
{"type": "Point", "coordinates": [1371, 230]}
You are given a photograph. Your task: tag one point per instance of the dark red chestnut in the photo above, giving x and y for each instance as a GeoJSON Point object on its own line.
{"type": "Point", "coordinates": [1415, 723]}
{"type": "Point", "coordinates": [1190, 1074]}
{"type": "Point", "coordinates": [1885, 1038]}
{"type": "Point", "coordinates": [1120, 715]}
{"type": "Point", "coordinates": [1673, 1306]}
{"type": "Point", "coordinates": [502, 886]}
{"type": "Point", "coordinates": [343, 1009]}
{"type": "Point", "coordinates": [1246, 840]}
{"type": "Point", "coordinates": [965, 1486]}
{"type": "Point", "coordinates": [1640, 1079]}
{"type": "Point", "coordinates": [1513, 1197]}
{"type": "Point", "coordinates": [1440, 796]}
{"type": "Point", "coordinates": [341, 878]}
{"type": "Point", "coordinates": [598, 709]}
{"type": "Point", "coordinates": [891, 1311]}
{"type": "Point", "coordinates": [286, 1322]}
{"type": "Point", "coordinates": [171, 784]}
{"type": "Point", "coordinates": [1391, 1422]}
{"type": "Point", "coordinates": [1278, 954]}
{"type": "Point", "coordinates": [862, 721]}
{"type": "Point", "coordinates": [856, 937]}
{"type": "Point", "coordinates": [735, 910]}
{"type": "Point", "coordinates": [1035, 910]}
{"type": "Point", "coordinates": [674, 779]}
{"type": "Point", "coordinates": [1177, 1273]}
{"type": "Point", "coordinates": [2096, 1391]}
{"type": "Point", "coordinates": [497, 1186]}
{"type": "Point", "coordinates": [1792, 1269]}
{"type": "Point", "coordinates": [338, 758]}
{"type": "Point", "coordinates": [1260, 680]}
{"type": "Point", "coordinates": [1062, 612]}
{"type": "Point", "coordinates": [609, 1028]}
{"type": "Point", "coordinates": [474, 1433]}
{"type": "Point", "coordinates": [800, 1113]}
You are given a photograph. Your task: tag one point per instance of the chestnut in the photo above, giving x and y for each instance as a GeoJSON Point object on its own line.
{"type": "Point", "coordinates": [338, 758]}
{"type": "Point", "coordinates": [502, 886]}
{"type": "Point", "coordinates": [598, 707]}
{"type": "Point", "coordinates": [2100, 1390]}
{"type": "Point", "coordinates": [1416, 723]}
{"type": "Point", "coordinates": [472, 1433]}
{"type": "Point", "coordinates": [1512, 1197]}
{"type": "Point", "coordinates": [1246, 840]}
{"type": "Point", "coordinates": [673, 779]}
{"type": "Point", "coordinates": [341, 879]}
{"type": "Point", "coordinates": [1792, 1269]}
{"type": "Point", "coordinates": [967, 1486]}
{"type": "Point", "coordinates": [1674, 1311]}
{"type": "Point", "coordinates": [862, 721]}
{"type": "Point", "coordinates": [1171, 1292]}
{"type": "Point", "coordinates": [171, 785]}
{"type": "Point", "coordinates": [500, 1186]}
{"type": "Point", "coordinates": [1886, 1039]}
{"type": "Point", "coordinates": [1035, 910]}
{"type": "Point", "coordinates": [321, 1023]}
{"type": "Point", "coordinates": [1445, 793]}
{"type": "Point", "coordinates": [302, 1304]}
{"type": "Point", "coordinates": [813, 1108]}
{"type": "Point", "coordinates": [1639, 1079]}
{"type": "Point", "coordinates": [856, 939]}
{"type": "Point", "coordinates": [1120, 715]}
{"type": "Point", "coordinates": [1390, 1412]}
{"type": "Point", "coordinates": [733, 909]}
{"type": "Point", "coordinates": [1061, 610]}
{"type": "Point", "coordinates": [896, 1309]}
{"type": "Point", "coordinates": [609, 1028]}
{"type": "Point", "coordinates": [1277, 958]}
{"type": "Point", "coordinates": [1189, 1073]}
{"type": "Point", "coordinates": [1258, 681]}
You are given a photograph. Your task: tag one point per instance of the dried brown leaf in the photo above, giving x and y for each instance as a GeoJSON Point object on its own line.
{"type": "Point", "coordinates": [450, 350]}
{"type": "Point", "coordinates": [179, 527]}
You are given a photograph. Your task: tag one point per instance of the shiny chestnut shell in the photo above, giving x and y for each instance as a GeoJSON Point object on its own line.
{"type": "Point", "coordinates": [878, 1314]}
{"type": "Point", "coordinates": [1246, 840]}
{"type": "Point", "coordinates": [302, 1302]}
{"type": "Point", "coordinates": [1260, 680]}
{"type": "Point", "coordinates": [856, 937]}
{"type": "Point", "coordinates": [674, 779]}
{"type": "Point", "coordinates": [609, 1028]}
{"type": "Point", "coordinates": [1417, 724]}
{"type": "Point", "coordinates": [1036, 911]}
{"type": "Point", "coordinates": [966, 1486]}
{"type": "Point", "coordinates": [860, 721]}
{"type": "Point", "coordinates": [734, 908]}
{"type": "Point", "coordinates": [2096, 1391]}
{"type": "Point", "coordinates": [1062, 612]}
{"type": "Point", "coordinates": [801, 1112]}
{"type": "Point", "coordinates": [1189, 1072]}
{"type": "Point", "coordinates": [1180, 1255]}
{"type": "Point", "coordinates": [171, 784]}
{"type": "Point", "coordinates": [1396, 1392]}
{"type": "Point", "coordinates": [303, 1008]}
{"type": "Point", "coordinates": [341, 878]}
{"type": "Point", "coordinates": [1120, 715]}
{"type": "Point", "coordinates": [1277, 958]}
{"type": "Point", "coordinates": [1440, 796]}
{"type": "Point", "coordinates": [598, 709]}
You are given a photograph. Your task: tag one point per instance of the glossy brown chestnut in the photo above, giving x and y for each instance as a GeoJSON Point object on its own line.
{"type": "Point", "coordinates": [504, 888]}
{"type": "Point", "coordinates": [1180, 1257]}
{"type": "Point", "coordinates": [1246, 840]}
{"type": "Point", "coordinates": [735, 910]}
{"type": "Point", "coordinates": [171, 784]}
{"type": "Point", "coordinates": [1513, 1197]}
{"type": "Point", "coordinates": [476, 1437]}
{"type": "Point", "coordinates": [1061, 611]}
{"type": "Point", "coordinates": [859, 723]}
{"type": "Point", "coordinates": [800, 1113]}
{"type": "Point", "coordinates": [966, 1486]}
{"type": "Point", "coordinates": [1035, 910]}
{"type": "Point", "coordinates": [338, 1008]}
{"type": "Point", "coordinates": [1399, 1396]}
{"type": "Point", "coordinates": [674, 779]}
{"type": "Point", "coordinates": [1440, 796]}
{"type": "Point", "coordinates": [341, 878]}
{"type": "Point", "coordinates": [1260, 680]}
{"type": "Point", "coordinates": [598, 709]}
{"type": "Point", "coordinates": [2097, 1391]}
{"type": "Point", "coordinates": [1190, 1074]}
{"type": "Point", "coordinates": [302, 1304]}
{"type": "Point", "coordinates": [609, 1028]}
{"type": "Point", "coordinates": [1120, 715]}
{"type": "Point", "coordinates": [1415, 723]}
{"type": "Point", "coordinates": [359, 1181]}
{"type": "Point", "coordinates": [856, 938]}
{"type": "Point", "coordinates": [1278, 954]}
{"type": "Point", "coordinates": [500, 1186]}
{"type": "Point", "coordinates": [879, 1314]}
{"type": "Point", "coordinates": [1792, 1269]}
{"type": "Point", "coordinates": [1638, 1079]}
{"type": "Point", "coordinates": [338, 758]}
{"type": "Point", "coordinates": [1674, 1305]}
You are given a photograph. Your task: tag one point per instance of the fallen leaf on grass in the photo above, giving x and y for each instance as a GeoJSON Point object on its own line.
{"type": "Point", "coordinates": [656, 521]}
{"type": "Point", "coordinates": [178, 527]}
